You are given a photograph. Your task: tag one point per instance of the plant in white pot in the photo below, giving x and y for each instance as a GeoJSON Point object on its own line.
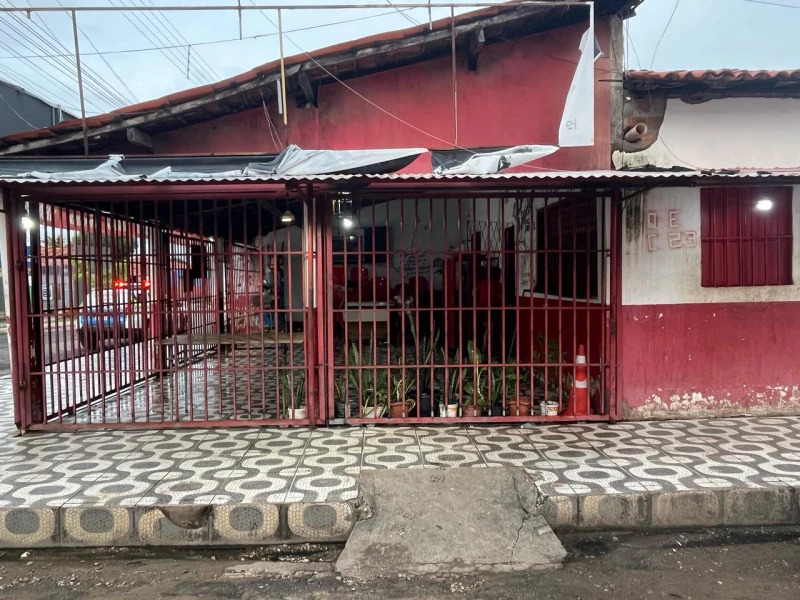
{"type": "Point", "coordinates": [293, 392]}
{"type": "Point", "coordinates": [373, 383]}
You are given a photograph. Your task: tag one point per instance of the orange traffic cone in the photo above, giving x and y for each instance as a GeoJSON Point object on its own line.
{"type": "Point", "coordinates": [580, 388]}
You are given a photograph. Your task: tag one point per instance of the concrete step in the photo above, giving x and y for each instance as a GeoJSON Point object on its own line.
{"type": "Point", "coordinates": [455, 520]}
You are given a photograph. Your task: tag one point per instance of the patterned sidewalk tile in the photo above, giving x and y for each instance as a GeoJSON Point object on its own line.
{"type": "Point", "coordinates": [268, 465]}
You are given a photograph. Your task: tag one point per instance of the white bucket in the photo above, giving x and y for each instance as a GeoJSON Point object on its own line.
{"type": "Point", "coordinates": [451, 410]}
{"type": "Point", "coordinates": [548, 409]}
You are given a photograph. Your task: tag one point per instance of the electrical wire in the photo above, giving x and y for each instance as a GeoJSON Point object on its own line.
{"type": "Point", "coordinates": [769, 3]}
{"type": "Point", "coordinates": [407, 17]}
{"type": "Point", "coordinates": [65, 68]}
{"type": "Point", "coordinates": [46, 74]}
{"type": "Point", "coordinates": [35, 87]}
{"type": "Point", "coordinates": [275, 142]}
{"type": "Point", "coordinates": [19, 116]}
{"type": "Point", "coordinates": [136, 24]}
{"type": "Point", "coordinates": [632, 45]}
{"type": "Point", "coordinates": [150, 18]}
{"type": "Point", "coordinates": [94, 82]}
{"type": "Point", "coordinates": [132, 95]}
{"type": "Point", "coordinates": [377, 106]}
{"type": "Point", "coordinates": [160, 29]}
{"type": "Point", "coordinates": [663, 33]}
{"type": "Point", "coordinates": [41, 42]}
{"type": "Point", "coordinates": [210, 42]}
{"type": "Point", "coordinates": [180, 37]}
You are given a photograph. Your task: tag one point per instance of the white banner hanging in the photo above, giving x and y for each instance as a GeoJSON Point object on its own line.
{"type": "Point", "coordinates": [577, 122]}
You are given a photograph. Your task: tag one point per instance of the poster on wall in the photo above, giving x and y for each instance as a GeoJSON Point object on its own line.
{"type": "Point", "coordinates": [525, 221]}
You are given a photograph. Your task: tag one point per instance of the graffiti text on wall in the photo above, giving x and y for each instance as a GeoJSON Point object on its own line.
{"type": "Point", "coordinates": [676, 238]}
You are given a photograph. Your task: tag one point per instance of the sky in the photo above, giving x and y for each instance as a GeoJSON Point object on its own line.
{"type": "Point", "coordinates": [120, 70]}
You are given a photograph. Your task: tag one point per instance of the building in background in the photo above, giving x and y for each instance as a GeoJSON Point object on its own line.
{"type": "Point", "coordinates": [20, 110]}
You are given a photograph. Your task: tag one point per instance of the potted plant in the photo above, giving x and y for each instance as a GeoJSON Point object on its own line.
{"type": "Point", "coordinates": [477, 391]}
{"type": "Point", "coordinates": [401, 402]}
{"type": "Point", "coordinates": [427, 354]}
{"type": "Point", "coordinates": [518, 391]}
{"type": "Point", "coordinates": [340, 394]}
{"type": "Point", "coordinates": [557, 378]}
{"type": "Point", "coordinates": [373, 383]}
{"type": "Point", "coordinates": [293, 391]}
{"type": "Point", "coordinates": [455, 386]}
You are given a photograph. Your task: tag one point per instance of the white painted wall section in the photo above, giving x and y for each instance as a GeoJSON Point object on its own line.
{"type": "Point", "coordinates": [726, 133]}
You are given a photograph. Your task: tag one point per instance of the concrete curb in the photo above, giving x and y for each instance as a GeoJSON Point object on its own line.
{"type": "Point", "coordinates": [182, 525]}
{"type": "Point", "coordinates": [669, 510]}
{"type": "Point", "coordinates": [271, 524]}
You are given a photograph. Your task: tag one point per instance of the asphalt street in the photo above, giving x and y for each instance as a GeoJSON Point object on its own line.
{"type": "Point", "coordinates": [730, 564]}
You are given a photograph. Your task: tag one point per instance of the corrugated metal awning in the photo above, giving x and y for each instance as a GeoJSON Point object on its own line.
{"type": "Point", "coordinates": [534, 178]}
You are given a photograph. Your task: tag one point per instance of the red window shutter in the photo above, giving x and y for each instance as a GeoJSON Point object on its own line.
{"type": "Point", "coordinates": [741, 246]}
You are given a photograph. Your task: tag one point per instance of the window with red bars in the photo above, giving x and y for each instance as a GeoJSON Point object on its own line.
{"type": "Point", "coordinates": [744, 243]}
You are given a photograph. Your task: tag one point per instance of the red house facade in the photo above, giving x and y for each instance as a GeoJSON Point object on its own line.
{"type": "Point", "coordinates": [507, 297]}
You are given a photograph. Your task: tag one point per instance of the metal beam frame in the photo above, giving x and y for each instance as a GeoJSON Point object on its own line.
{"type": "Point", "coordinates": [241, 7]}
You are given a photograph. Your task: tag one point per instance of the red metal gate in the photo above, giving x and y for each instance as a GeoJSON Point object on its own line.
{"type": "Point", "coordinates": [356, 308]}
{"type": "Point", "coordinates": [470, 308]}
{"type": "Point", "coordinates": [151, 314]}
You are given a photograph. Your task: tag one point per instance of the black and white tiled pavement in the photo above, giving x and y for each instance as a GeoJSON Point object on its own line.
{"type": "Point", "coordinates": [257, 468]}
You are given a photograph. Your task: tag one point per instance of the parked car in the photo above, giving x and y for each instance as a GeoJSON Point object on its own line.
{"type": "Point", "coordinates": [114, 314]}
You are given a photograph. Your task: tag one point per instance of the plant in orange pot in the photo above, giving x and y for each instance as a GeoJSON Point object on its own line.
{"type": "Point", "coordinates": [401, 401]}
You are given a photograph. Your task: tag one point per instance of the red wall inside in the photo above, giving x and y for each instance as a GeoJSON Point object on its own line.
{"type": "Point", "coordinates": [692, 360]}
{"type": "Point", "coordinates": [515, 97]}
{"type": "Point", "coordinates": [577, 325]}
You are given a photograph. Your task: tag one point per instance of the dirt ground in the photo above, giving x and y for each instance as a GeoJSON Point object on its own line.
{"type": "Point", "coordinates": [762, 563]}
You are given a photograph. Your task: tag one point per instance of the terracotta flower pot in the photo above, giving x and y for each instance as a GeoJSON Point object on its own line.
{"type": "Point", "coordinates": [520, 407]}
{"type": "Point", "coordinates": [472, 410]}
{"type": "Point", "coordinates": [398, 410]}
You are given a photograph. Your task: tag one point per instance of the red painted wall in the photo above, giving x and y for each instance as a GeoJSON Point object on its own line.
{"type": "Point", "coordinates": [515, 97]}
{"type": "Point", "coordinates": [696, 360]}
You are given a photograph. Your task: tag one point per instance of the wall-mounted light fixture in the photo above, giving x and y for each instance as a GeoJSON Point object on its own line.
{"type": "Point", "coordinates": [764, 205]}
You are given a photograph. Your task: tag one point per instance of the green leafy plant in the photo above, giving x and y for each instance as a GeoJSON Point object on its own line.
{"type": "Point", "coordinates": [477, 389]}
{"type": "Point", "coordinates": [373, 383]}
{"type": "Point", "coordinates": [426, 354]}
{"type": "Point", "coordinates": [401, 390]}
{"type": "Point", "coordinates": [555, 374]}
{"type": "Point", "coordinates": [293, 388]}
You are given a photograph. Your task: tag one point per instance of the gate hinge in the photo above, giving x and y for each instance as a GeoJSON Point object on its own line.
{"type": "Point", "coordinates": [22, 385]}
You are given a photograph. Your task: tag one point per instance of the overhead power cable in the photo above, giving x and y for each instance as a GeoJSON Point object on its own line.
{"type": "Point", "coordinates": [406, 16]}
{"type": "Point", "coordinates": [663, 33]}
{"type": "Point", "coordinates": [131, 95]}
{"type": "Point", "coordinates": [39, 39]}
{"type": "Point", "coordinates": [771, 3]}
{"type": "Point", "coordinates": [141, 27]}
{"type": "Point", "coordinates": [36, 87]}
{"type": "Point", "coordinates": [162, 33]}
{"type": "Point", "coordinates": [184, 46]}
{"type": "Point", "coordinates": [46, 74]}
{"type": "Point", "coordinates": [180, 37]}
{"type": "Point", "coordinates": [19, 116]}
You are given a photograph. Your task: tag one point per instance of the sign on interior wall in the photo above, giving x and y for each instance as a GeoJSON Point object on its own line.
{"type": "Point", "coordinates": [525, 221]}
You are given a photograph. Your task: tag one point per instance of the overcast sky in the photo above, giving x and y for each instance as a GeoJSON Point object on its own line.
{"type": "Point", "coordinates": [748, 34]}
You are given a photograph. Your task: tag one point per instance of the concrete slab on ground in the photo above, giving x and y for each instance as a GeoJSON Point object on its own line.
{"type": "Point", "coordinates": [449, 521]}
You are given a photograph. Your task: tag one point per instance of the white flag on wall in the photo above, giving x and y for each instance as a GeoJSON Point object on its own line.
{"type": "Point", "coordinates": [577, 122]}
